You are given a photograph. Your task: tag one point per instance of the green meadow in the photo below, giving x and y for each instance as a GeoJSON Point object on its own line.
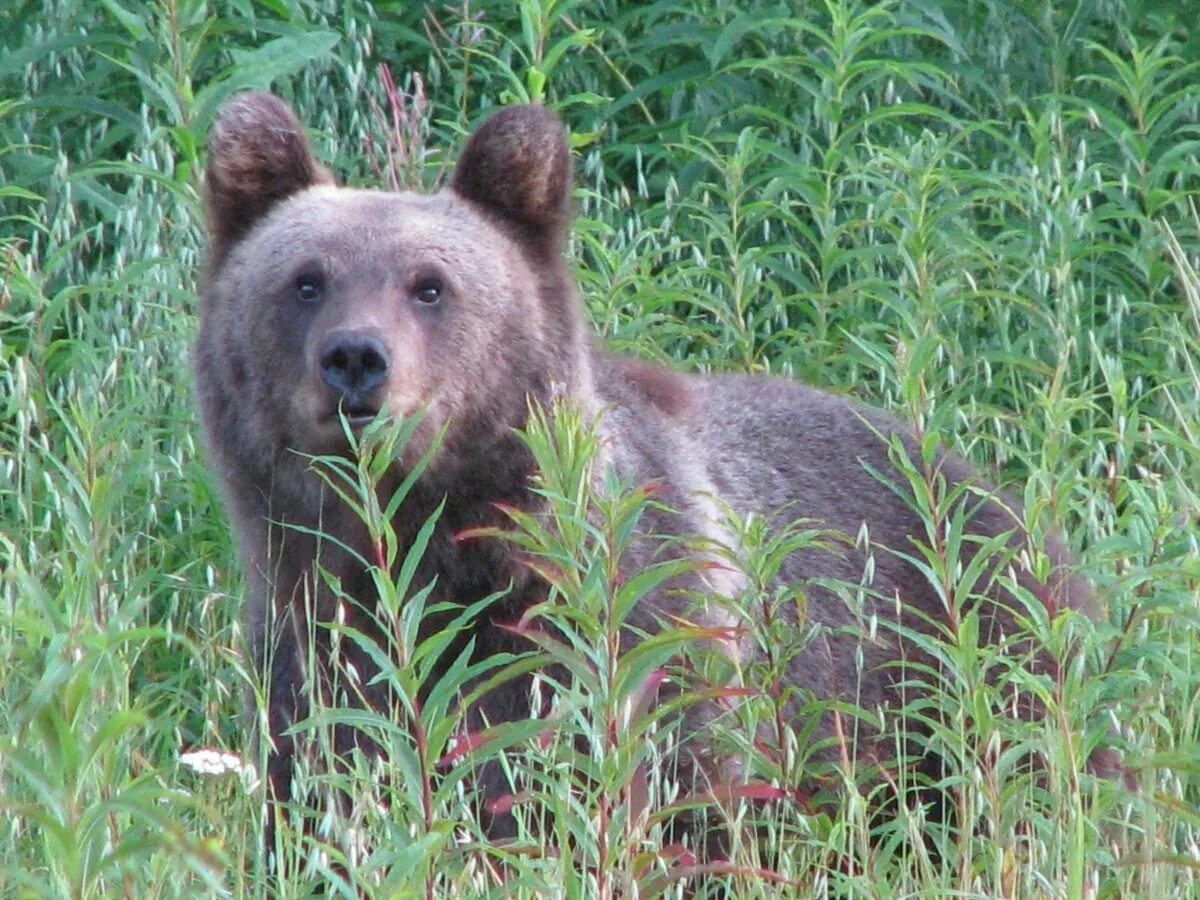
{"type": "Point", "coordinates": [980, 214]}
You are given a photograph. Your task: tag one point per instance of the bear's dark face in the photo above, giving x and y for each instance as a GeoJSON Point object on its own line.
{"type": "Point", "coordinates": [323, 299]}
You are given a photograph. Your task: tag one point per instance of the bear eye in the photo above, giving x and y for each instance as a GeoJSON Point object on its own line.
{"type": "Point", "coordinates": [309, 286]}
{"type": "Point", "coordinates": [428, 292]}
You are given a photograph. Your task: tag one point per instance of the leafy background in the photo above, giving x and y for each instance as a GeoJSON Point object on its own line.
{"type": "Point", "coordinates": [980, 213]}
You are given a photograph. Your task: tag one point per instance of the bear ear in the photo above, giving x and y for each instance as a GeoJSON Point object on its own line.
{"type": "Point", "coordinates": [257, 156]}
{"type": "Point", "coordinates": [518, 166]}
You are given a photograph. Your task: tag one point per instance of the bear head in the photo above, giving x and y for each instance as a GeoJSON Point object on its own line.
{"type": "Point", "coordinates": [320, 299]}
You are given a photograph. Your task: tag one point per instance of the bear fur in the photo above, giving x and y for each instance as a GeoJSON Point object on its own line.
{"type": "Point", "coordinates": [460, 304]}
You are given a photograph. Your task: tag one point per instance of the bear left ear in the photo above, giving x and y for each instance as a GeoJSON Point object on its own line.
{"type": "Point", "coordinates": [518, 165]}
{"type": "Point", "coordinates": [257, 156]}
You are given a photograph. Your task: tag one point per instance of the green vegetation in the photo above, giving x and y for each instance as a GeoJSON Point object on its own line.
{"type": "Point", "coordinates": [980, 213]}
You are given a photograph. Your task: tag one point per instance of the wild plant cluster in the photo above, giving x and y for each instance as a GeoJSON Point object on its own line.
{"type": "Point", "coordinates": [981, 214]}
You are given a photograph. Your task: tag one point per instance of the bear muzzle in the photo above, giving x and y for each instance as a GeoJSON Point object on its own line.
{"type": "Point", "coordinates": [354, 365]}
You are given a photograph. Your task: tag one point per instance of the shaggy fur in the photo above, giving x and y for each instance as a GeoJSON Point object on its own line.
{"type": "Point", "coordinates": [460, 304]}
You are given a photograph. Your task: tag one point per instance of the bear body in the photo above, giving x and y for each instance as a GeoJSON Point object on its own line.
{"type": "Point", "coordinates": [459, 304]}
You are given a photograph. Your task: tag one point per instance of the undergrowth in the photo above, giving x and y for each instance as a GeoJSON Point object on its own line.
{"type": "Point", "coordinates": [980, 215]}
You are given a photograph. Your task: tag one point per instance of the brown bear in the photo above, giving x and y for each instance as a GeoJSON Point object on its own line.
{"type": "Point", "coordinates": [320, 300]}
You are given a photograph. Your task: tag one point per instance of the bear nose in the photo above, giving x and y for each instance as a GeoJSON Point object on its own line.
{"type": "Point", "coordinates": [353, 363]}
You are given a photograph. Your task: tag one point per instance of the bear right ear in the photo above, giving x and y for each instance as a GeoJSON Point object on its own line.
{"type": "Point", "coordinates": [517, 165]}
{"type": "Point", "coordinates": [257, 156]}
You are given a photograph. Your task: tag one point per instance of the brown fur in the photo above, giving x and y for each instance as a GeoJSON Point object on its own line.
{"type": "Point", "coordinates": [663, 389]}
{"type": "Point", "coordinates": [257, 157]}
{"type": "Point", "coordinates": [319, 297]}
{"type": "Point", "coordinates": [515, 168]}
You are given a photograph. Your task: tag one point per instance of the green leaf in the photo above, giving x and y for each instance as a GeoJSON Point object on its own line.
{"type": "Point", "coordinates": [257, 69]}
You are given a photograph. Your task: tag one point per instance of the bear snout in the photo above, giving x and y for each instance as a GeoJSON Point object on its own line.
{"type": "Point", "coordinates": [354, 364]}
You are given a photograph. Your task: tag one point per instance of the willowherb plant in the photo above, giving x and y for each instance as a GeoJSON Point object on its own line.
{"type": "Point", "coordinates": [593, 782]}
{"type": "Point", "coordinates": [403, 119]}
{"type": "Point", "coordinates": [1039, 169]}
{"type": "Point", "coordinates": [405, 826]}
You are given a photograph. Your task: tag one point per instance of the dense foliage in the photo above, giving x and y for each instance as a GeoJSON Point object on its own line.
{"type": "Point", "coordinates": [981, 213]}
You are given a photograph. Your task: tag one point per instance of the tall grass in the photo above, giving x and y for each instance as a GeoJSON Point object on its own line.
{"type": "Point", "coordinates": [980, 214]}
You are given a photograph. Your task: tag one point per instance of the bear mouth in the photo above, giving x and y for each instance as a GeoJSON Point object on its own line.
{"type": "Point", "coordinates": [357, 415]}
